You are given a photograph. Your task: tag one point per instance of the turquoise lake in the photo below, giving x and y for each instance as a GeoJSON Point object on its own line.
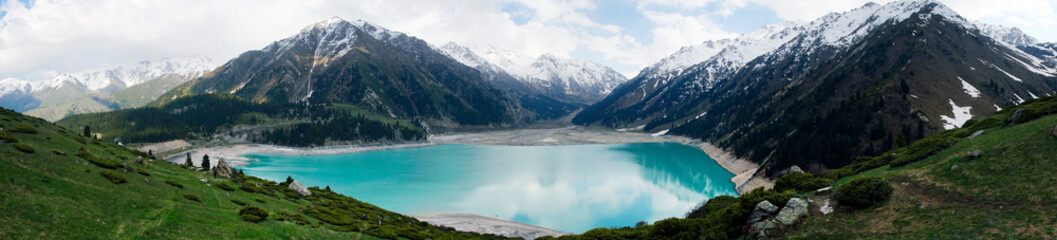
{"type": "Point", "coordinates": [571, 188]}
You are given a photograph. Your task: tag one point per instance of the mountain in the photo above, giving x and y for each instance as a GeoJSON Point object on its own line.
{"type": "Point", "coordinates": [820, 93]}
{"type": "Point", "coordinates": [570, 80]}
{"type": "Point", "coordinates": [359, 63]}
{"type": "Point", "coordinates": [72, 93]}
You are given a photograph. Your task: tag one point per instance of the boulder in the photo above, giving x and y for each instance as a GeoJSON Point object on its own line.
{"type": "Point", "coordinates": [762, 211]}
{"type": "Point", "coordinates": [795, 168]}
{"type": "Point", "coordinates": [793, 211]}
{"type": "Point", "coordinates": [974, 154]}
{"type": "Point", "coordinates": [760, 230]}
{"type": "Point", "coordinates": [139, 160]}
{"type": "Point", "coordinates": [301, 189]}
{"type": "Point", "coordinates": [1016, 116]}
{"type": "Point", "coordinates": [223, 170]}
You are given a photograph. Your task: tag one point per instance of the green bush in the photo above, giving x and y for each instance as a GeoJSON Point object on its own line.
{"type": "Point", "coordinates": [225, 186]}
{"type": "Point", "coordinates": [22, 147]}
{"type": "Point", "coordinates": [251, 188]}
{"type": "Point", "coordinates": [293, 217]}
{"type": "Point", "coordinates": [113, 176]}
{"type": "Point", "coordinates": [22, 128]}
{"type": "Point", "coordinates": [253, 214]}
{"type": "Point", "coordinates": [142, 172]}
{"type": "Point", "coordinates": [712, 205]}
{"type": "Point", "coordinates": [922, 149]}
{"type": "Point", "coordinates": [98, 161]}
{"type": "Point", "coordinates": [259, 200]}
{"type": "Point", "coordinates": [7, 137]}
{"type": "Point", "coordinates": [239, 202]}
{"type": "Point", "coordinates": [192, 198]}
{"type": "Point", "coordinates": [800, 182]}
{"type": "Point", "coordinates": [174, 183]}
{"type": "Point", "coordinates": [863, 192]}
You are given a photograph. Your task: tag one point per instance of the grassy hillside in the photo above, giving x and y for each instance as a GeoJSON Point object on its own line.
{"type": "Point", "coordinates": [58, 185]}
{"type": "Point", "coordinates": [938, 191]}
{"type": "Point", "coordinates": [1007, 193]}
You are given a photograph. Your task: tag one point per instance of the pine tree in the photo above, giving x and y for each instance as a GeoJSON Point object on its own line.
{"type": "Point", "coordinates": [328, 188]}
{"type": "Point", "coordinates": [205, 163]}
{"type": "Point", "coordinates": [87, 131]}
{"type": "Point", "coordinates": [188, 162]}
{"type": "Point", "coordinates": [288, 180]}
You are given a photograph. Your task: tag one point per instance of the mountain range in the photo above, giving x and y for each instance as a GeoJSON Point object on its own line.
{"type": "Point", "coordinates": [818, 94]}
{"type": "Point", "coordinates": [98, 90]}
{"type": "Point", "coordinates": [395, 74]}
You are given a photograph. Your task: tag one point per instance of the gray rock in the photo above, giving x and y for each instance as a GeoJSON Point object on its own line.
{"type": "Point", "coordinates": [762, 211]}
{"type": "Point", "coordinates": [1016, 116]}
{"type": "Point", "coordinates": [223, 169]}
{"type": "Point", "coordinates": [766, 206]}
{"type": "Point", "coordinates": [761, 229]}
{"type": "Point", "coordinates": [795, 168]}
{"type": "Point", "coordinates": [954, 167]}
{"type": "Point", "coordinates": [301, 189]}
{"type": "Point", "coordinates": [974, 154]}
{"type": "Point", "coordinates": [793, 211]}
{"type": "Point", "coordinates": [975, 134]}
{"type": "Point", "coordinates": [824, 190]}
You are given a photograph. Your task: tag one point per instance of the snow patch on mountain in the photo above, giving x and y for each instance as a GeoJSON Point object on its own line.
{"type": "Point", "coordinates": [969, 89]}
{"type": "Point", "coordinates": [961, 115]}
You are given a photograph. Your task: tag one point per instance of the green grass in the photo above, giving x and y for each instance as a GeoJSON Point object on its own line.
{"type": "Point", "coordinates": [1008, 193]}
{"type": "Point", "coordinates": [53, 196]}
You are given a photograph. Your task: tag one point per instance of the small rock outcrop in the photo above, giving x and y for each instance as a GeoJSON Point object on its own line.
{"type": "Point", "coordinates": [793, 211]}
{"type": "Point", "coordinates": [762, 211]}
{"type": "Point", "coordinates": [975, 134]}
{"type": "Point", "coordinates": [301, 189]}
{"type": "Point", "coordinates": [761, 230]}
{"type": "Point", "coordinates": [795, 168]}
{"type": "Point", "coordinates": [223, 170]}
{"type": "Point", "coordinates": [974, 154]}
{"type": "Point", "coordinates": [1016, 116]}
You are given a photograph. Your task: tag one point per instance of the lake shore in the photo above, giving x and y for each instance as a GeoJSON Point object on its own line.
{"type": "Point", "coordinates": [745, 178]}
{"type": "Point", "coordinates": [481, 224]}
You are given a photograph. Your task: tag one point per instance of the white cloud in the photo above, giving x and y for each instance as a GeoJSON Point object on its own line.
{"type": "Point", "coordinates": [68, 35]}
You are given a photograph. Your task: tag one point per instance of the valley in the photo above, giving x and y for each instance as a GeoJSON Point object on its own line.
{"type": "Point", "coordinates": [897, 120]}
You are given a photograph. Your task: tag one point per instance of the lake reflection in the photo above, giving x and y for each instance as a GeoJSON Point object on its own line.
{"type": "Point", "coordinates": [570, 188]}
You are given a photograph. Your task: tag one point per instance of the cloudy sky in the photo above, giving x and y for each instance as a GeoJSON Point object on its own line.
{"type": "Point", "coordinates": [39, 37]}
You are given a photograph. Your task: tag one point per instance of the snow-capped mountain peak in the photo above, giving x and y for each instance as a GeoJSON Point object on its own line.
{"type": "Point", "coordinates": [547, 70]}
{"type": "Point", "coordinates": [127, 75]}
{"type": "Point", "coordinates": [1011, 36]}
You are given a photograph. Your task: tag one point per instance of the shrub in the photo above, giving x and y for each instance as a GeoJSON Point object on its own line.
{"type": "Point", "coordinates": [225, 186]}
{"type": "Point", "coordinates": [22, 128]}
{"type": "Point", "coordinates": [800, 182]}
{"type": "Point", "coordinates": [712, 205]}
{"type": "Point", "coordinates": [922, 149]}
{"type": "Point", "coordinates": [22, 147]}
{"type": "Point", "coordinates": [239, 202]}
{"type": "Point", "coordinates": [259, 200]}
{"type": "Point", "coordinates": [863, 192]}
{"type": "Point", "coordinates": [250, 187]}
{"type": "Point", "coordinates": [293, 217]}
{"type": "Point", "coordinates": [192, 198]}
{"type": "Point", "coordinates": [142, 172]}
{"type": "Point", "coordinates": [253, 214]}
{"type": "Point", "coordinates": [113, 176]}
{"type": "Point", "coordinates": [174, 183]}
{"type": "Point", "coordinates": [7, 137]}
{"type": "Point", "coordinates": [98, 161]}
